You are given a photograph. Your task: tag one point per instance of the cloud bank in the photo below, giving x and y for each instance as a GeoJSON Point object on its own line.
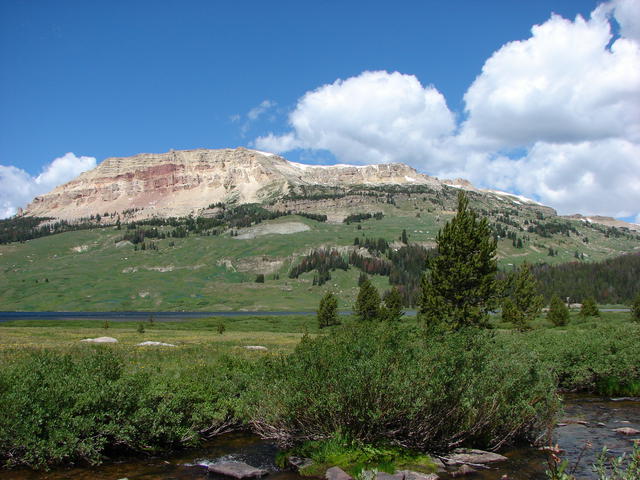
{"type": "Point", "coordinates": [567, 98]}
{"type": "Point", "coordinates": [17, 187]}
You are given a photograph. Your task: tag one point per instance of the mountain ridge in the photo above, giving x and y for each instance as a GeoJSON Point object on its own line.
{"type": "Point", "coordinates": [182, 182]}
{"type": "Point", "coordinates": [186, 182]}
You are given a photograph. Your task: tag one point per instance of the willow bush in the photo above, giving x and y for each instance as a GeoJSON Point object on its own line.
{"type": "Point", "coordinates": [78, 406]}
{"type": "Point", "coordinates": [394, 384]}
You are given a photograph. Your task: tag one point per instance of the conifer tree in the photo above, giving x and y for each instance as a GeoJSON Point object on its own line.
{"type": "Point", "coordinates": [635, 309]}
{"type": "Point", "coordinates": [558, 312]}
{"type": "Point", "coordinates": [460, 286]}
{"type": "Point", "coordinates": [367, 306]}
{"type": "Point", "coordinates": [392, 309]}
{"type": "Point", "coordinates": [523, 303]}
{"type": "Point", "coordinates": [328, 311]}
{"type": "Point", "coordinates": [509, 312]}
{"type": "Point", "coordinates": [589, 308]}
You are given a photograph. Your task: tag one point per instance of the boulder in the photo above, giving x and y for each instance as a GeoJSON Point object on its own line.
{"type": "Point", "coordinates": [389, 476]}
{"type": "Point", "coordinates": [627, 431]}
{"type": "Point", "coordinates": [439, 464]}
{"type": "Point", "coordinates": [298, 463]}
{"type": "Point", "coordinates": [255, 347]}
{"type": "Point", "coordinates": [154, 344]}
{"type": "Point", "coordinates": [100, 340]}
{"type": "Point", "coordinates": [410, 475]}
{"type": "Point", "coordinates": [336, 473]}
{"type": "Point", "coordinates": [463, 470]}
{"type": "Point", "coordinates": [236, 470]}
{"type": "Point", "coordinates": [473, 456]}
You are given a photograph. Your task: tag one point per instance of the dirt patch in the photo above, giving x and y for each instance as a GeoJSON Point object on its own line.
{"type": "Point", "coordinates": [284, 228]}
{"type": "Point", "coordinates": [168, 268]}
{"type": "Point", "coordinates": [226, 263]}
{"type": "Point", "coordinates": [260, 264]}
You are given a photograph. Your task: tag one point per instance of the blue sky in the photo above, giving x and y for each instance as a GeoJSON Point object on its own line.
{"type": "Point", "coordinates": [117, 78]}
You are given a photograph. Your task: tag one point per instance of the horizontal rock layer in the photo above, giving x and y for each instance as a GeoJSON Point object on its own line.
{"type": "Point", "coordinates": [179, 183]}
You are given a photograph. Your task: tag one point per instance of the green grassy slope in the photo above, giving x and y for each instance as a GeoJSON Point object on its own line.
{"type": "Point", "coordinates": [86, 270]}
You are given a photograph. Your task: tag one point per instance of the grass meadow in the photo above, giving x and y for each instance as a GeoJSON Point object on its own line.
{"type": "Point", "coordinates": [87, 271]}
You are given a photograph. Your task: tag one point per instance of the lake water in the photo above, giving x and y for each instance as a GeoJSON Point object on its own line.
{"type": "Point", "coordinates": [599, 418]}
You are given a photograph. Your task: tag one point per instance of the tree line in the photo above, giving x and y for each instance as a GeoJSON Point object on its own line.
{"type": "Point", "coordinates": [23, 228]}
{"type": "Point", "coordinates": [614, 280]}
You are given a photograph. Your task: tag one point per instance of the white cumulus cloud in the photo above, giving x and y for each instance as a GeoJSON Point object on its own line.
{"type": "Point", "coordinates": [592, 177]}
{"type": "Point", "coordinates": [374, 117]}
{"type": "Point", "coordinates": [567, 99]}
{"type": "Point", "coordinates": [18, 188]}
{"type": "Point", "coordinates": [566, 83]}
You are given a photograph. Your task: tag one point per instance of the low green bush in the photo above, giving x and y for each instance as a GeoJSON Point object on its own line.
{"type": "Point", "coordinates": [393, 384]}
{"type": "Point", "coordinates": [79, 406]}
{"type": "Point", "coordinates": [362, 390]}
{"type": "Point", "coordinates": [599, 358]}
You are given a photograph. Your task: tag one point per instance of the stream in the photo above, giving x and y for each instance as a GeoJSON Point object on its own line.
{"type": "Point", "coordinates": [586, 420]}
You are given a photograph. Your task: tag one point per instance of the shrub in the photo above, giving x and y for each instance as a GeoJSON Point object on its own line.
{"type": "Point", "coordinates": [601, 358]}
{"type": "Point", "coordinates": [77, 406]}
{"type": "Point", "coordinates": [624, 467]}
{"type": "Point", "coordinates": [381, 382]}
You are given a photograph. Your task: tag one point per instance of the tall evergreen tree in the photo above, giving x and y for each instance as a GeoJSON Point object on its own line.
{"type": "Point", "coordinates": [460, 286]}
{"type": "Point", "coordinates": [367, 306]}
{"type": "Point", "coordinates": [328, 311]}
{"type": "Point", "coordinates": [558, 312]}
{"type": "Point", "coordinates": [392, 309]}
{"type": "Point", "coordinates": [524, 302]}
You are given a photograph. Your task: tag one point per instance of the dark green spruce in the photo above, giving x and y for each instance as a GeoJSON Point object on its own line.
{"type": "Point", "coordinates": [635, 309]}
{"type": "Point", "coordinates": [558, 312]}
{"type": "Point", "coordinates": [328, 311]}
{"type": "Point", "coordinates": [589, 308]}
{"type": "Point", "coordinates": [523, 302]}
{"type": "Point", "coordinates": [460, 288]}
{"type": "Point", "coordinates": [367, 307]}
{"type": "Point", "coordinates": [392, 308]}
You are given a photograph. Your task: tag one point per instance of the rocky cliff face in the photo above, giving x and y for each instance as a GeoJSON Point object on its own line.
{"type": "Point", "coordinates": [182, 182]}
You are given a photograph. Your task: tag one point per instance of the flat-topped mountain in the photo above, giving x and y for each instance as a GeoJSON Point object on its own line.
{"type": "Point", "coordinates": [185, 182]}
{"type": "Point", "coordinates": [189, 182]}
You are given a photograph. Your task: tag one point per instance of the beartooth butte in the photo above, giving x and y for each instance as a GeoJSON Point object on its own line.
{"type": "Point", "coordinates": [185, 182]}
